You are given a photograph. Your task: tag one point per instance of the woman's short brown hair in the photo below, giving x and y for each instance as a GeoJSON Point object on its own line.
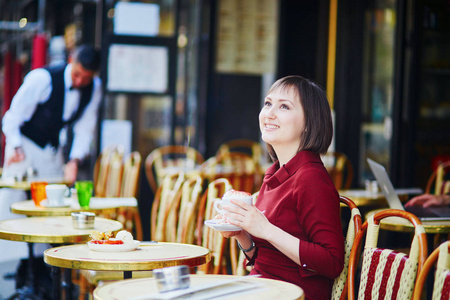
{"type": "Point", "coordinates": [318, 122]}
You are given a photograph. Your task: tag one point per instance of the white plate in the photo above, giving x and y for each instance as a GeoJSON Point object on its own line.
{"type": "Point", "coordinates": [218, 225]}
{"type": "Point", "coordinates": [114, 248]}
{"type": "Point", "coordinates": [65, 203]}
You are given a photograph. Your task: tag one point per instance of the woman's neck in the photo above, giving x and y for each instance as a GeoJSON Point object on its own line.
{"type": "Point", "coordinates": [285, 154]}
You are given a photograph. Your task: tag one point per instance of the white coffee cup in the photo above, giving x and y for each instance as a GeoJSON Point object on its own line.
{"type": "Point", "coordinates": [55, 194]}
{"type": "Point", "coordinates": [232, 194]}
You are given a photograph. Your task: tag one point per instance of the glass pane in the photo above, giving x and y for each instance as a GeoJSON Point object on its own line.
{"type": "Point", "coordinates": [378, 85]}
{"type": "Point", "coordinates": [166, 15]}
{"type": "Point", "coordinates": [151, 117]}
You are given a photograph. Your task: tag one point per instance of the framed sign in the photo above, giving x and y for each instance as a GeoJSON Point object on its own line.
{"type": "Point", "coordinates": [138, 68]}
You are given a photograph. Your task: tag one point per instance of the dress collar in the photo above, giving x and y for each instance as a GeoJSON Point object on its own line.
{"type": "Point", "coordinates": [276, 175]}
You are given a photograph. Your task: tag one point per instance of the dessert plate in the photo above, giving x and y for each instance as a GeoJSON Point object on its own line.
{"type": "Point", "coordinates": [220, 226]}
{"type": "Point", "coordinates": [65, 203]}
{"type": "Point", "coordinates": [114, 248]}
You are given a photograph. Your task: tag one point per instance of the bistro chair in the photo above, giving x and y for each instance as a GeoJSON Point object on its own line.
{"type": "Point", "coordinates": [340, 286]}
{"type": "Point", "coordinates": [237, 257]}
{"type": "Point", "coordinates": [385, 273]}
{"type": "Point", "coordinates": [208, 237]}
{"type": "Point", "coordinates": [439, 183]}
{"type": "Point", "coordinates": [181, 215]}
{"type": "Point", "coordinates": [441, 288]}
{"type": "Point", "coordinates": [129, 185]}
{"type": "Point", "coordinates": [169, 190]}
{"type": "Point", "coordinates": [247, 146]}
{"type": "Point", "coordinates": [169, 159]}
{"type": "Point", "coordinates": [102, 167]}
{"type": "Point", "coordinates": [192, 192]}
{"type": "Point", "coordinates": [114, 175]}
{"type": "Point", "coordinates": [131, 175]}
{"type": "Point", "coordinates": [239, 168]}
{"type": "Point", "coordinates": [340, 169]}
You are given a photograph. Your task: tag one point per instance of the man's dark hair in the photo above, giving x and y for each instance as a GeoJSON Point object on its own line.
{"type": "Point", "coordinates": [88, 57]}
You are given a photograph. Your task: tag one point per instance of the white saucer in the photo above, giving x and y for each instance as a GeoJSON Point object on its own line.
{"type": "Point", "coordinates": [114, 248]}
{"type": "Point", "coordinates": [65, 203]}
{"type": "Point", "coordinates": [214, 224]}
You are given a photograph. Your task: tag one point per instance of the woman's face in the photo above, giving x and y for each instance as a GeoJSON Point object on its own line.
{"type": "Point", "coordinates": [282, 120]}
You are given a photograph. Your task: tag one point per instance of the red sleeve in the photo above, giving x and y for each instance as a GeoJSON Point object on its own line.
{"type": "Point", "coordinates": [319, 215]}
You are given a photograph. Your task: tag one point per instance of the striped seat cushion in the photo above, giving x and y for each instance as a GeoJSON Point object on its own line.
{"type": "Point", "coordinates": [386, 274]}
{"type": "Point", "coordinates": [441, 289]}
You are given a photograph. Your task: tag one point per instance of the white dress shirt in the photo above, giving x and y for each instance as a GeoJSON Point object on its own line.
{"type": "Point", "coordinates": [37, 89]}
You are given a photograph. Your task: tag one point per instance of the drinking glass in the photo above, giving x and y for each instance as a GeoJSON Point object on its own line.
{"type": "Point", "coordinates": [38, 191]}
{"type": "Point", "coordinates": [84, 192]}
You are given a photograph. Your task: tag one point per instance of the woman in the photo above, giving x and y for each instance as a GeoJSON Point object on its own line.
{"type": "Point", "coordinates": [293, 233]}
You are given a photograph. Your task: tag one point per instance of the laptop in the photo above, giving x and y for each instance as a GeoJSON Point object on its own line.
{"type": "Point", "coordinates": [440, 213]}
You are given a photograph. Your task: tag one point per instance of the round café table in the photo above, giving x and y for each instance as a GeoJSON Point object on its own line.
{"type": "Point", "coordinates": [26, 185]}
{"type": "Point", "coordinates": [402, 225]}
{"type": "Point", "coordinates": [148, 256]}
{"type": "Point", "coordinates": [249, 287]}
{"type": "Point", "coordinates": [97, 205]}
{"type": "Point", "coordinates": [52, 230]}
{"type": "Point", "coordinates": [362, 197]}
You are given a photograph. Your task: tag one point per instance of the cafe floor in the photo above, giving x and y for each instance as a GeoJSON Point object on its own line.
{"type": "Point", "coordinates": [7, 281]}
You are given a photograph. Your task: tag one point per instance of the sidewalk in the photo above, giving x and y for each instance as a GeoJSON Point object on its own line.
{"type": "Point", "coordinates": [8, 286]}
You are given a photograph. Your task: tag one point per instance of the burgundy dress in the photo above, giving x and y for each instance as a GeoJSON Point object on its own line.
{"type": "Point", "coordinates": [301, 199]}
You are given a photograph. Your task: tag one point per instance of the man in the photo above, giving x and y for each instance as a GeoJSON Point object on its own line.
{"type": "Point", "coordinates": [50, 99]}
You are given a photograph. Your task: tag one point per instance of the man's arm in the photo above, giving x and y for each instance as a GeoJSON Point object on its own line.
{"type": "Point", "coordinates": [71, 170]}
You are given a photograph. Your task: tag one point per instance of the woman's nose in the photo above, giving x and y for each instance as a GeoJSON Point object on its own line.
{"type": "Point", "coordinates": [270, 113]}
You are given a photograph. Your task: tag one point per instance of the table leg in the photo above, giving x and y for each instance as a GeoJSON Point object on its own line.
{"type": "Point", "coordinates": [30, 278]}
{"type": "Point", "coordinates": [56, 276]}
{"type": "Point", "coordinates": [67, 284]}
{"type": "Point", "coordinates": [127, 274]}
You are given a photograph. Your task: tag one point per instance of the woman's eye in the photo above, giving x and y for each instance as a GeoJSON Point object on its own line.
{"type": "Point", "coordinates": [267, 103]}
{"type": "Point", "coordinates": [284, 106]}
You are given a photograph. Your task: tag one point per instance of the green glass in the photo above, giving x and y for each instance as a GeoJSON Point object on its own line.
{"type": "Point", "coordinates": [84, 193]}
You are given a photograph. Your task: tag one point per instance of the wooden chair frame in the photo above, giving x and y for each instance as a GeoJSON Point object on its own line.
{"type": "Point", "coordinates": [208, 237]}
{"type": "Point", "coordinates": [340, 286]}
{"type": "Point", "coordinates": [169, 190]}
{"type": "Point", "coordinates": [437, 177]}
{"type": "Point", "coordinates": [342, 165]}
{"type": "Point", "coordinates": [371, 226]}
{"type": "Point", "coordinates": [155, 161]}
{"type": "Point", "coordinates": [441, 252]}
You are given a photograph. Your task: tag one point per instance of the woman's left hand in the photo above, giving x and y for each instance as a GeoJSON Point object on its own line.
{"type": "Point", "coordinates": [248, 217]}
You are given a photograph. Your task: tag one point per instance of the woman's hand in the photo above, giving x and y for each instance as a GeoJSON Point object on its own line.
{"type": "Point", "coordinates": [225, 234]}
{"type": "Point", "coordinates": [248, 217]}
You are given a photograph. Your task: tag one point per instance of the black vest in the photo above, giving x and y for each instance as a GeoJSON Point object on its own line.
{"type": "Point", "coordinates": [47, 121]}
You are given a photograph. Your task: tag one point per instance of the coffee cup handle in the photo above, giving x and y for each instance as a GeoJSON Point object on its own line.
{"type": "Point", "coordinates": [218, 202]}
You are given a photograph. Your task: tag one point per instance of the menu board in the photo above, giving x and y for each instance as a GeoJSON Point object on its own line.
{"type": "Point", "coordinates": [137, 68]}
{"type": "Point", "coordinates": [247, 36]}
